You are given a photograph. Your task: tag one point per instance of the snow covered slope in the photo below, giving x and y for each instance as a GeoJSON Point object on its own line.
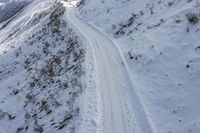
{"type": "Point", "coordinates": [160, 42]}
{"type": "Point", "coordinates": [42, 64]}
{"type": "Point", "coordinates": [10, 8]}
{"type": "Point", "coordinates": [138, 73]}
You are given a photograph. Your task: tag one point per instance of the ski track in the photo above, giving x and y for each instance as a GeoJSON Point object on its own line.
{"type": "Point", "coordinates": [122, 109]}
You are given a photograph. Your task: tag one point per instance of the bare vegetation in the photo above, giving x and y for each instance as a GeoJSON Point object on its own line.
{"type": "Point", "coordinates": [192, 18]}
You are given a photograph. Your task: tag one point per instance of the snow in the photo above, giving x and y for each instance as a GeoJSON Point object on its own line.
{"type": "Point", "coordinates": [42, 66]}
{"type": "Point", "coordinates": [10, 8]}
{"type": "Point", "coordinates": [161, 50]}
{"type": "Point", "coordinates": [109, 83]}
{"type": "Point", "coordinates": [100, 66]}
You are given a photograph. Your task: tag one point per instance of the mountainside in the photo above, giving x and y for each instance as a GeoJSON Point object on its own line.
{"type": "Point", "coordinates": [99, 66]}
{"type": "Point", "coordinates": [160, 42]}
{"type": "Point", "coordinates": [9, 8]}
{"type": "Point", "coordinates": [41, 69]}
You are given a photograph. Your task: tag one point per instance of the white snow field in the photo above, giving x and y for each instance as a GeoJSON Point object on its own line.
{"type": "Point", "coordinates": [159, 45]}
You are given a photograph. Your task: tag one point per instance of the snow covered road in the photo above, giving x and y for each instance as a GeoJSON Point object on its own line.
{"type": "Point", "coordinates": [122, 110]}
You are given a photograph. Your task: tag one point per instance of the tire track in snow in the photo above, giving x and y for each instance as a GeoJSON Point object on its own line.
{"type": "Point", "coordinates": [123, 111]}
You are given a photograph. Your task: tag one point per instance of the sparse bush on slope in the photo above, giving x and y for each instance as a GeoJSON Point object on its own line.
{"type": "Point", "coordinates": [192, 18]}
{"type": "Point", "coordinates": [52, 58]}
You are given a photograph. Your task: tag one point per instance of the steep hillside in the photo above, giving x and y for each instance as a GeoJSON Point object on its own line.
{"type": "Point", "coordinates": [41, 68]}
{"type": "Point", "coordinates": [9, 8]}
{"type": "Point", "coordinates": [160, 42]}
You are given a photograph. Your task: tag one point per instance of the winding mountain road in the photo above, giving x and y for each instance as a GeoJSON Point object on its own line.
{"type": "Point", "coordinates": [122, 108]}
